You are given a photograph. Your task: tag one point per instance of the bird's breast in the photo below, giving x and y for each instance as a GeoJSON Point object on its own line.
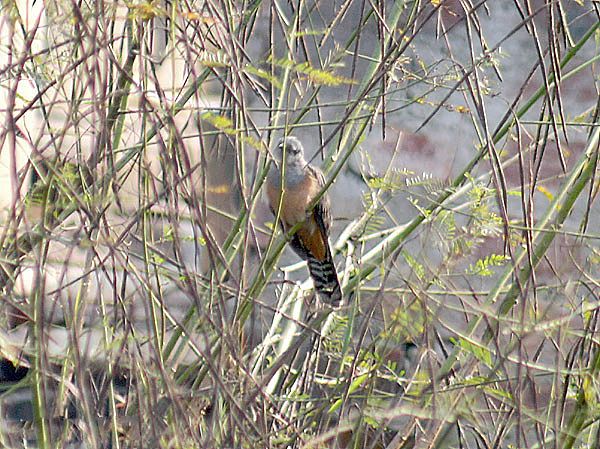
{"type": "Point", "coordinates": [296, 199]}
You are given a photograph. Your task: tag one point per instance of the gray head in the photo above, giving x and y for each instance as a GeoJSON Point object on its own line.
{"type": "Point", "coordinates": [290, 148]}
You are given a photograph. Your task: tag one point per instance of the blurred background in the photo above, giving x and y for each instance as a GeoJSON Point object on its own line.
{"type": "Point", "coordinates": [149, 299]}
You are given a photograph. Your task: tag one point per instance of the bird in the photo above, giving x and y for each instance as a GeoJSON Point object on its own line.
{"type": "Point", "coordinates": [292, 177]}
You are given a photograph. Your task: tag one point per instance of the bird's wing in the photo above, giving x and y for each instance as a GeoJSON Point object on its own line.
{"type": "Point", "coordinates": [322, 211]}
{"type": "Point", "coordinates": [311, 240]}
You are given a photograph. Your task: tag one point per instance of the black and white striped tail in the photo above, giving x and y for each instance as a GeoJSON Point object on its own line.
{"type": "Point", "coordinates": [325, 279]}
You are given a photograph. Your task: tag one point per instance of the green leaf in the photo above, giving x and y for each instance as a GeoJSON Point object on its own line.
{"type": "Point", "coordinates": [480, 352]}
{"type": "Point", "coordinates": [316, 76]}
{"type": "Point", "coordinates": [416, 267]}
{"type": "Point", "coordinates": [483, 266]}
{"type": "Point", "coordinates": [262, 74]}
{"type": "Point", "coordinates": [355, 385]}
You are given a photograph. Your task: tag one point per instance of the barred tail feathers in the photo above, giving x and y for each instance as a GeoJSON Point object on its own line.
{"type": "Point", "coordinates": [311, 243]}
{"type": "Point", "coordinates": [325, 278]}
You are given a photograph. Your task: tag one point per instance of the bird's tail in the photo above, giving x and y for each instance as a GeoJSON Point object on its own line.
{"type": "Point", "coordinates": [325, 279]}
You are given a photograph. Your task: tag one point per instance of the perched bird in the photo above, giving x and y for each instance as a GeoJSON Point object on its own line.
{"type": "Point", "coordinates": [300, 183]}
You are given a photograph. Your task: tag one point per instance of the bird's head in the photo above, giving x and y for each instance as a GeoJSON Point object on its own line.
{"type": "Point", "coordinates": [290, 150]}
